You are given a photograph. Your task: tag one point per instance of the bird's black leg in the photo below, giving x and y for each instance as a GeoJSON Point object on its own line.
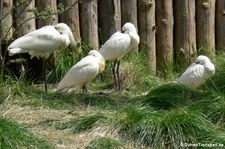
{"type": "Point", "coordinates": [44, 62]}
{"type": "Point", "coordinates": [118, 75]}
{"type": "Point", "coordinates": [22, 71]}
{"type": "Point", "coordinates": [84, 88]}
{"type": "Point", "coordinates": [114, 73]}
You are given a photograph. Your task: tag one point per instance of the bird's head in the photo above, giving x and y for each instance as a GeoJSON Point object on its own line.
{"type": "Point", "coordinates": [64, 29]}
{"type": "Point", "coordinates": [101, 62]}
{"type": "Point", "coordinates": [201, 59]}
{"type": "Point", "coordinates": [128, 27]}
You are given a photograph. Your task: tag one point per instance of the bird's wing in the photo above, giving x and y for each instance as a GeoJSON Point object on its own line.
{"type": "Point", "coordinates": [80, 74]}
{"type": "Point", "coordinates": [194, 76]}
{"type": "Point", "coordinates": [44, 39]}
{"type": "Point", "coordinates": [116, 46]}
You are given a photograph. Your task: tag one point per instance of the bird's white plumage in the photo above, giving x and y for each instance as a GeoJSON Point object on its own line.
{"type": "Point", "coordinates": [197, 73]}
{"type": "Point", "coordinates": [119, 44]}
{"type": "Point", "coordinates": [44, 41]}
{"type": "Point", "coordinates": [83, 72]}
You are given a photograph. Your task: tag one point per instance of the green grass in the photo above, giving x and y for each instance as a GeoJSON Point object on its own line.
{"type": "Point", "coordinates": [172, 95]}
{"type": "Point", "coordinates": [80, 124]}
{"type": "Point", "coordinates": [150, 112]}
{"type": "Point", "coordinates": [104, 143]}
{"type": "Point", "coordinates": [13, 136]}
{"type": "Point", "coordinates": [166, 129]}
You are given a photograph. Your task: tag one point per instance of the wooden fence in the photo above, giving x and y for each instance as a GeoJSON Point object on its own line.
{"type": "Point", "coordinates": [170, 30]}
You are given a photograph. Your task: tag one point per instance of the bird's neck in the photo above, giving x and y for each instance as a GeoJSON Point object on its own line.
{"type": "Point", "coordinates": [134, 39]}
{"type": "Point", "coordinates": [66, 39]}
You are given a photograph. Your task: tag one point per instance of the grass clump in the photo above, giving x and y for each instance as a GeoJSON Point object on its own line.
{"type": "Point", "coordinates": [165, 129]}
{"type": "Point", "coordinates": [13, 136]}
{"type": "Point", "coordinates": [104, 143]}
{"type": "Point", "coordinates": [172, 95]}
{"type": "Point", "coordinates": [81, 124]}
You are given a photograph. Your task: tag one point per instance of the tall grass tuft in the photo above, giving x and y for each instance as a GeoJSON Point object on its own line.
{"type": "Point", "coordinates": [104, 143]}
{"type": "Point", "coordinates": [12, 135]}
{"type": "Point", "coordinates": [172, 95]}
{"type": "Point", "coordinates": [165, 129]}
{"type": "Point", "coordinates": [81, 124]}
{"type": "Point", "coordinates": [217, 82]}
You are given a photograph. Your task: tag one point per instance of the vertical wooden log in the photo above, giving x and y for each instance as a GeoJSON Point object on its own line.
{"type": "Point", "coordinates": [47, 5]}
{"type": "Point", "coordinates": [184, 31]}
{"type": "Point", "coordinates": [164, 36]}
{"type": "Point", "coordinates": [89, 22]}
{"type": "Point", "coordinates": [109, 18]}
{"type": "Point", "coordinates": [129, 13]}
{"type": "Point", "coordinates": [220, 25]}
{"type": "Point", "coordinates": [6, 29]}
{"type": "Point", "coordinates": [146, 28]}
{"type": "Point", "coordinates": [205, 26]}
{"type": "Point", "coordinates": [25, 19]}
{"type": "Point", "coordinates": [1, 55]}
{"type": "Point", "coordinates": [71, 17]}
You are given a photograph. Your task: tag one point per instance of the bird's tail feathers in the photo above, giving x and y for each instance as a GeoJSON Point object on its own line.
{"type": "Point", "coordinates": [16, 51]}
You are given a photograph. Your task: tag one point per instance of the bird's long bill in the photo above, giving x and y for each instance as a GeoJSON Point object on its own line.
{"type": "Point", "coordinates": [72, 40]}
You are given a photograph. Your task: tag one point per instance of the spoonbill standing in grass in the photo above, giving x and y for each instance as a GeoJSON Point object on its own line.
{"type": "Point", "coordinates": [117, 46]}
{"type": "Point", "coordinates": [42, 42]}
{"type": "Point", "coordinates": [198, 72]}
{"type": "Point", "coordinates": [83, 72]}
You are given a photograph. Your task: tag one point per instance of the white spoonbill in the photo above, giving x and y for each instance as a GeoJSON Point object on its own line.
{"type": "Point", "coordinates": [42, 42]}
{"type": "Point", "coordinates": [117, 46]}
{"type": "Point", "coordinates": [197, 73]}
{"type": "Point", "coordinates": [83, 72]}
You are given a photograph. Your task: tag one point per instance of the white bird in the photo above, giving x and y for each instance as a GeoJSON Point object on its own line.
{"type": "Point", "coordinates": [42, 42]}
{"type": "Point", "coordinates": [118, 45]}
{"type": "Point", "coordinates": [83, 72]}
{"type": "Point", "coordinates": [197, 73]}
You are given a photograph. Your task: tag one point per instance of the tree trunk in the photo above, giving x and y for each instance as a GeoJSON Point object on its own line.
{"type": "Point", "coordinates": [147, 28]}
{"type": "Point", "coordinates": [6, 29]}
{"type": "Point", "coordinates": [89, 22]}
{"type": "Point", "coordinates": [164, 36]}
{"type": "Point", "coordinates": [129, 13]}
{"type": "Point", "coordinates": [71, 18]}
{"type": "Point", "coordinates": [109, 18]}
{"type": "Point", "coordinates": [25, 20]}
{"type": "Point", "coordinates": [220, 24]}
{"type": "Point", "coordinates": [49, 5]}
{"type": "Point", "coordinates": [184, 31]}
{"type": "Point", "coordinates": [205, 26]}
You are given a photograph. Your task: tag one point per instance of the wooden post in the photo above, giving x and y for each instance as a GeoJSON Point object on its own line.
{"type": "Point", "coordinates": [220, 25]}
{"type": "Point", "coordinates": [47, 5]}
{"type": "Point", "coordinates": [164, 36]}
{"type": "Point", "coordinates": [184, 31]}
{"type": "Point", "coordinates": [25, 19]}
{"type": "Point", "coordinates": [1, 55]}
{"type": "Point", "coordinates": [205, 26]}
{"type": "Point", "coordinates": [6, 29]}
{"type": "Point", "coordinates": [109, 18]}
{"type": "Point", "coordinates": [147, 28]}
{"type": "Point", "coordinates": [129, 13]}
{"type": "Point", "coordinates": [89, 22]}
{"type": "Point", "coordinates": [71, 18]}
